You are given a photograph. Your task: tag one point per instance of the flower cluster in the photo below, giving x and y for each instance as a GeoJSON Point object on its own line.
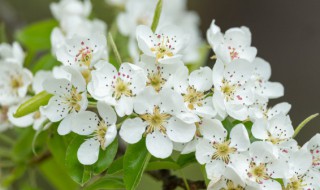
{"type": "Point", "coordinates": [221, 114]}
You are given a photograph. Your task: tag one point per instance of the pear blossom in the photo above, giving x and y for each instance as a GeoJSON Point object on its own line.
{"type": "Point", "coordinates": [224, 183]}
{"type": "Point", "coordinates": [159, 76]}
{"type": "Point", "coordinates": [234, 44]}
{"type": "Point", "coordinates": [232, 88]}
{"type": "Point", "coordinates": [262, 112]}
{"type": "Point", "coordinates": [161, 119]}
{"type": "Point", "coordinates": [11, 53]}
{"type": "Point", "coordinates": [165, 44]}
{"type": "Point", "coordinates": [14, 83]}
{"type": "Point", "coordinates": [195, 89]}
{"type": "Point", "coordinates": [117, 88]}
{"type": "Point", "coordinates": [67, 8]}
{"type": "Point", "coordinates": [69, 97]}
{"type": "Point", "coordinates": [101, 132]}
{"type": "Point", "coordinates": [300, 175]}
{"type": "Point", "coordinates": [278, 131]}
{"type": "Point", "coordinates": [258, 169]}
{"type": "Point", "coordinates": [216, 151]}
{"type": "Point", "coordinates": [83, 51]}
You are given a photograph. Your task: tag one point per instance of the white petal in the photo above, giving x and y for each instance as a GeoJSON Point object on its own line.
{"type": "Point", "coordinates": [107, 113]}
{"type": "Point", "coordinates": [179, 131]}
{"type": "Point", "coordinates": [283, 108]}
{"type": "Point", "coordinates": [215, 169]}
{"type": "Point", "coordinates": [55, 110]}
{"type": "Point", "coordinates": [88, 152]}
{"type": "Point", "coordinates": [141, 106]}
{"type": "Point", "coordinates": [300, 161]}
{"type": "Point", "coordinates": [263, 152]}
{"type": "Point", "coordinates": [201, 79]}
{"type": "Point", "coordinates": [84, 123]}
{"type": "Point", "coordinates": [213, 129]}
{"type": "Point", "coordinates": [132, 129]}
{"type": "Point", "coordinates": [57, 86]}
{"type": "Point", "coordinates": [204, 151]}
{"type": "Point", "coordinates": [65, 125]}
{"type": "Point", "coordinates": [124, 106]}
{"type": "Point", "coordinates": [110, 135]}
{"type": "Point", "coordinates": [39, 78]}
{"type": "Point", "coordinates": [24, 121]}
{"type": "Point", "coordinates": [159, 145]}
{"type": "Point", "coordinates": [239, 137]}
{"type": "Point", "coordinates": [259, 129]}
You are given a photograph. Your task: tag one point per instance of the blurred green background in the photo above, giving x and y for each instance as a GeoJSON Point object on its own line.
{"type": "Point", "coordinates": [286, 33]}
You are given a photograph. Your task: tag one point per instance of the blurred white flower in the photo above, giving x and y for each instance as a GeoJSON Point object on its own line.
{"type": "Point", "coordinates": [14, 83]}
{"type": "Point", "coordinates": [234, 44]}
{"type": "Point", "coordinates": [11, 53]}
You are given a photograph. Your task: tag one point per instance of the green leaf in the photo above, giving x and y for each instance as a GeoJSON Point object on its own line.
{"type": "Point", "coordinates": [156, 16]}
{"type": "Point", "coordinates": [116, 166]}
{"type": "Point", "coordinates": [135, 161]}
{"type": "Point", "coordinates": [14, 175]}
{"type": "Point", "coordinates": [78, 172]}
{"type": "Point", "coordinates": [186, 159]}
{"type": "Point", "coordinates": [37, 35]}
{"type": "Point", "coordinates": [56, 175]}
{"type": "Point", "coordinates": [23, 146]}
{"type": "Point", "coordinates": [160, 165]}
{"type": "Point", "coordinates": [33, 104]}
{"type": "Point", "coordinates": [57, 146]}
{"type": "Point", "coordinates": [304, 123]}
{"type": "Point", "coordinates": [106, 158]}
{"type": "Point", "coordinates": [46, 62]}
{"type": "Point", "coordinates": [107, 183]}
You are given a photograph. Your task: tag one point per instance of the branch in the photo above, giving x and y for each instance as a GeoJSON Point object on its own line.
{"type": "Point", "coordinates": [171, 182]}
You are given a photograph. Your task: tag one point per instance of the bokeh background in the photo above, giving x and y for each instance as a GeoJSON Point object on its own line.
{"type": "Point", "coordinates": [286, 33]}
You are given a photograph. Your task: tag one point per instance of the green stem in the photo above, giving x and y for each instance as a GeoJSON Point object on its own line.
{"type": "Point", "coordinates": [114, 48]}
{"type": "Point", "coordinates": [156, 17]}
{"type": "Point", "coordinates": [184, 180]}
{"type": "Point", "coordinates": [304, 123]}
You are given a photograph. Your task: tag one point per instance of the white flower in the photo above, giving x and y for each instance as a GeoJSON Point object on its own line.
{"type": "Point", "coordinates": [14, 83]}
{"type": "Point", "coordinates": [11, 53]}
{"type": "Point", "coordinates": [74, 26]}
{"type": "Point", "coordinates": [165, 44]}
{"type": "Point", "coordinates": [69, 96]}
{"type": "Point", "coordinates": [263, 87]}
{"type": "Point", "coordinates": [159, 75]}
{"type": "Point", "coordinates": [117, 88]}
{"type": "Point", "coordinates": [83, 51]}
{"type": "Point", "coordinates": [313, 146]}
{"type": "Point", "coordinates": [216, 151]}
{"type": "Point", "coordinates": [195, 89]}
{"type": "Point", "coordinates": [232, 91]}
{"type": "Point", "coordinates": [278, 131]}
{"type": "Point", "coordinates": [234, 44]}
{"type": "Point", "coordinates": [161, 120]}
{"type": "Point", "coordinates": [300, 175]}
{"type": "Point", "coordinates": [102, 131]}
{"type": "Point", "coordinates": [258, 169]}
{"type": "Point", "coordinates": [224, 184]}
{"type": "Point", "coordinates": [66, 8]}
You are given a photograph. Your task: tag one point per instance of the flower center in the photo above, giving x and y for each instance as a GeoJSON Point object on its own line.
{"type": "Point", "coordinates": [101, 133]}
{"type": "Point", "coordinates": [232, 186]}
{"type": "Point", "coordinates": [295, 184]}
{"type": "Point", "coordinates": [228, 90]}
{"type": "Point", "coordinates": [223, 151]}
{"type": "Point", "coordinates": [84, 56]}
{"type": "Point", "coordinates": [258, 172]}
{"type": "Point", "coordinates": [74, 99]}
{"type": "Point", "coordinates": [316, 156]}
{"type": "Point", "coordinates": [156, 81]}
{"type": "Point", "coordinates": [156, 120]}
{"type": "Point", "coordinates": [164, 47]}
{"type": "Point", "coordinates": [16, 82]}
{"type": "Point", "coordinates": [37, 115]}
{"type": "Point", "coordinates": [233, 53]}
{"type": "Point", "coordinates": [192, 97]}
{"type": "Point", "coordinates": [121, 88]}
